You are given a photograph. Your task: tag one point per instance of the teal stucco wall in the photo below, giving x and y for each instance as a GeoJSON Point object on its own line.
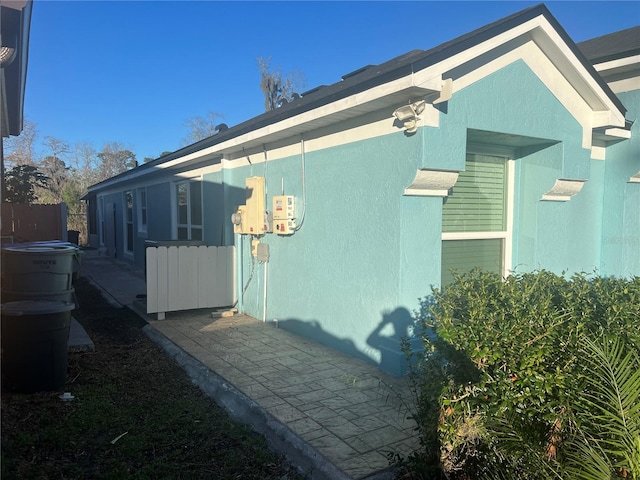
{"type": "Point", "coordinates": [547, 143]}
{"type": "Point", "coordinates": [353, 274]}
{"type": "Point", "coordinates": [342, 278]}
{"type": "Point", "coordinates": [621, 206]}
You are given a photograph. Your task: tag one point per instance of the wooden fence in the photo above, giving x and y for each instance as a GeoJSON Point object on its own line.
{"type": "Point", "coordinates": [33, 223]}
{"type": "Point", "coordinates": [187, 277]}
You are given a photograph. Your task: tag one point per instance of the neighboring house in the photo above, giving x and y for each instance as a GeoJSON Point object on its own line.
{"type": "Point", "coordinates": [15, 24]}
{"type": "Point", "coordinates": [507, 148]}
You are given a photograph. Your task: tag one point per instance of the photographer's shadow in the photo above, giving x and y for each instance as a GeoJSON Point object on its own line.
{"type": "Point", "coordinates": [387, 338]}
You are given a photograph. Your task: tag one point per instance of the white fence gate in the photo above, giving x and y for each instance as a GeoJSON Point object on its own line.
{"type": "Point", "coordinates": [187, 277]}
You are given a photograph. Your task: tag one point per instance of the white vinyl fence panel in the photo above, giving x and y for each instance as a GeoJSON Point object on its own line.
{"type": "Point", "coordinates": [188, 277]}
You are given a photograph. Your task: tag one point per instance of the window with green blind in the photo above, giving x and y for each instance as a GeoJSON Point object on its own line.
{"type": "Point", "coordinates": [474, 218]}
{"type": "Point", "coordinates": [465, 255]}
{"type": "Point", "coordinates": [477, 202]}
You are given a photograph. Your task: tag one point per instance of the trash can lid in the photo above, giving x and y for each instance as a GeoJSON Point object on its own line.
{"type": "Point", "coordinates": [35, 307]}
{"type": "Point", "coordinates": [43, 248]}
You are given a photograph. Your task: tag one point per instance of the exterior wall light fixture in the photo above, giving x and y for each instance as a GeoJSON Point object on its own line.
{"type": "Point", "coordinates": [409, 115]}
{"type": "Point", "coordinates": [8, 44]}
{"type": "Point", "coordinates": [7, 55]}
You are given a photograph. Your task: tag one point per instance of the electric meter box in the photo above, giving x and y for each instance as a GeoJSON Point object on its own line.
{"type": "Point", "coordinates": [254, 222]}
{"type": "Point", "coordinates": [284, 207]}
{"type": "Point", "coordinates": [284, 213]}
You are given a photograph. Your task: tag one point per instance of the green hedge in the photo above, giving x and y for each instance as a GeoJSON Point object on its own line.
{"type": "Point", "coordinates": [505, 380]}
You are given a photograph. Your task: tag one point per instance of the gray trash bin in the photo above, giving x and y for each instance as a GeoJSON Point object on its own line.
{"type": "Point", "coordinates": [35, 334]}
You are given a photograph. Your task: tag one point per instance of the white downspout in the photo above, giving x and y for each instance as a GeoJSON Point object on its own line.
{"type": "Point", "coordinates": [264, 299]}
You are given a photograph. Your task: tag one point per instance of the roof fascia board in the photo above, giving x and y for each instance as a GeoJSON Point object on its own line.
{"type": "Point", "coordinates": [14, 4]}
{"type": "Point", "coordinates": [421, 77]}
{"type": "Point", "coordinates": [132, 175]}
{"type": "Point", "coordinates": [429, 80]}
{"type": "Point", "coordinates": [626, 85]}
{"type": "Point", "coordinates": [568, 42]}
{"type": "Point", "coordinates": [353, 83]}
{"type": "Point", "coordinates": [617, 63]}
{"type": "Point", "coordinates": [15, 74]}
{"type": "Point", "coordinates": [579, 74]}
{"type": "Point", "coordinates": [24, 56]}
{"type": "Point", "coordinates": [543, 33]}
{"type": "Point", "coordinates": [4, 110]}
{"type": "Point", "coordinates": [404, 88]}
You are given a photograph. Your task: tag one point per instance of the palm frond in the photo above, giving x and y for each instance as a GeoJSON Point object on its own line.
{"type": "Point", "coordinates": [608, 413]}
{"type": "Point", "coordinates": [519, 454]}
{"type": "Point", "coordinates": [586, 460]}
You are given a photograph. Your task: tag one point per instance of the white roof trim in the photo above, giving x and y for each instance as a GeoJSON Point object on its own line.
{"type": "Point", "coordinates": [626, 85]}
{"type": "Point", "coordinates": [595, 109]}
{"type": "Point", "coordinates": [618, 132]}
{"type": "Point", "coordinates": [14, 4]}
{"type": "Point", "coordinates": [620, 62]}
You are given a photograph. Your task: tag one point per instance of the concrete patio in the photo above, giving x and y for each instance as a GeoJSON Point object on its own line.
{"type": "Point", "coordinates": [334, 416]}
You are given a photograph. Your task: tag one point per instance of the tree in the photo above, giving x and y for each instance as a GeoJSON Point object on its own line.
{"type": "Point", "coordinates": [85, 164]}
{"type": "Point", "coordinates": [54, 167]}
{"type": "Point", "coordinates": [59, 176]}
{"type": "Point", "coordinates": [114, 159]}
{"type": "Point", "coordinates": [21, 182]}
{"type": "Point", "coordinates": [165, 152]}
{"type": "Point", "coordinates": [56, 145]}
{"type": "Point", "coordinates": [201, 127]}
{"type": "Point", "coordinates": [22, 147]}
{"type": "Point", "coordinates": [278, 88]}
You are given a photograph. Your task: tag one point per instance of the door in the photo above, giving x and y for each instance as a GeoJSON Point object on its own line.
{"type": "Point", "coordinates": [110, 229]}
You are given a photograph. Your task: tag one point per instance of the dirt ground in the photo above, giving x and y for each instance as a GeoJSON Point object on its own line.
{"type": "Point", "coordinates": [134, 415]}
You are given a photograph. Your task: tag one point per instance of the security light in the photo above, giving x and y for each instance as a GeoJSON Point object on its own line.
{"type": "Point", "coordinates": [409, 115]}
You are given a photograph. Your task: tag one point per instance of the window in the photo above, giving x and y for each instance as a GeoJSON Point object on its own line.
{"type": "Point", "coordinates": [475, 218]}
{"type": "Point", "coordinates": [128, 218]}
{"type": "Point", "coordinates": [142, 210]}
{"type": "Point", "coordinates": [189, 210]}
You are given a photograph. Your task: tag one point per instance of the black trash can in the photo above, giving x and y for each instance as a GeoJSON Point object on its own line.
{"type": "Point", "coordinates": [35, 334]}
{"type": "Point", "coordinates": [73, 236]}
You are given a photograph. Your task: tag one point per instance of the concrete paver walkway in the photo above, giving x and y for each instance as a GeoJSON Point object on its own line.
{"type": "Point", "coordinates": [333, 415]}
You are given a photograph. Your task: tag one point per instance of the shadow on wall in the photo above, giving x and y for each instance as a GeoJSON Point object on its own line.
{"type": "Point", "coordinates": [386, 339]}
{"type": "Point", "coordinates": [220, 201]}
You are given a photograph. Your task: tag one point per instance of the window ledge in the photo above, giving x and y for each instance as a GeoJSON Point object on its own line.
{"type": "Point", "coordinates": [432, 183]}
{"type": "Point", "coordinates": [563, 190]}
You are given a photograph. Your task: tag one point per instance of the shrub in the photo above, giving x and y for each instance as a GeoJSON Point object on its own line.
{"type": "Point", "coordinates": [501, 381]}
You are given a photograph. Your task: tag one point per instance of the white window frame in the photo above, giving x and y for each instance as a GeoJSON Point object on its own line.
{"type": "Point", "coordinates": [189, 226]}
{"type": "Point", "coordinates": [507, 234]}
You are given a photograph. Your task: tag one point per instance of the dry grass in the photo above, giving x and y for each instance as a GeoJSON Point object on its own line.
{"type": "Point", "coordinates": [135, 415]}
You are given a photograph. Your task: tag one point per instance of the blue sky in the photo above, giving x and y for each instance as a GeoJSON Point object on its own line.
{"type": "Point", "coordinates": [133, 71]}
